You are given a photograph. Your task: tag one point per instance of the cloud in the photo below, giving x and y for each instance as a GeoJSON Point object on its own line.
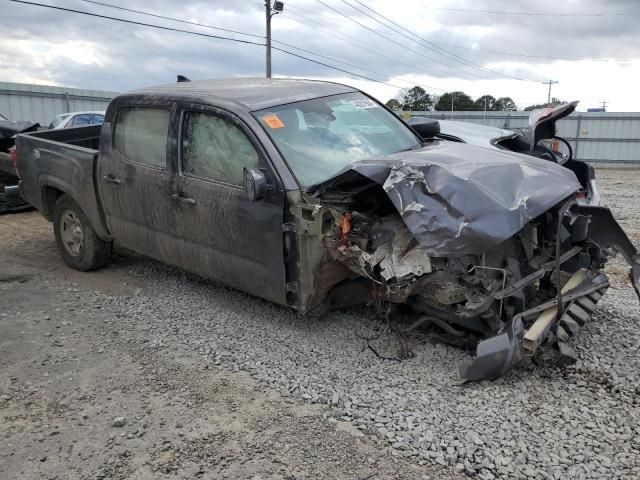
{"type": "Point", "coordinates": [47, 46]}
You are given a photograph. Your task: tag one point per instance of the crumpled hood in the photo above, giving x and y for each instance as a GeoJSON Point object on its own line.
{"type": "Point", "coordinates": [10, 128]}
{"type": "Point", "coordinates": [460, 199]}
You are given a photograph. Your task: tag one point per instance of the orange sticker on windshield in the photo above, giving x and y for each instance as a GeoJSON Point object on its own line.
{"type": "Point", "coordinates": [273, 121]}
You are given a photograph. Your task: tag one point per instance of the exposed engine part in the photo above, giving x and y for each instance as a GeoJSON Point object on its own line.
{"type": "Point", "coordinates": [526, 295]}
{"type": "Point", "coordinates": [396, 257]}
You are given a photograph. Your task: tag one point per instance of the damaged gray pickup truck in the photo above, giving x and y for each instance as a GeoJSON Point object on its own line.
{"type": "Point", "coordinates": [315, 196]}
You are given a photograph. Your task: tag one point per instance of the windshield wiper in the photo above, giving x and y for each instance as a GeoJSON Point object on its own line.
{"type": "Point", "coordinates": [415, 147]}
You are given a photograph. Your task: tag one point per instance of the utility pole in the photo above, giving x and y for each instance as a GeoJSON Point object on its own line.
{"type": "Point", "coordinates": [550, 82]}
{"type": "Point", "coordinates": [278, 7]}
{"type": "Point", "coordinates": [604, 105]}
{"type": "Point", "coordinates": [452, 102]}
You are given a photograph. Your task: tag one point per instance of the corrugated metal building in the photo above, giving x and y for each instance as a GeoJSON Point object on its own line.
{"type": "Point", "coordinates": [596, 137]}
{"type": "Point", "coordinates": [40, 103]}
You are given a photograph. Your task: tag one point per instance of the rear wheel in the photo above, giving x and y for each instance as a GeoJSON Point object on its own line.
{"type": "Point", "coordinates": [77, 241]}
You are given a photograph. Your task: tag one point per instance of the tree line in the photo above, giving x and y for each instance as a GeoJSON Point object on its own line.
{"type": "Point", "coordinates": [417, 99]}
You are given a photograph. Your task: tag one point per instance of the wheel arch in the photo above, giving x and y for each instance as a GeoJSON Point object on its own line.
{"type": "Point", "coordinates": [51, 189]}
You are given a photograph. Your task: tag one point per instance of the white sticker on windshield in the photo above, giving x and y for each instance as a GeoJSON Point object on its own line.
{"type": "Point", "coordinates": [363, 103]}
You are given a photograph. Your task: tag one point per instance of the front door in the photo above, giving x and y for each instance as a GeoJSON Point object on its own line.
{"type": "Point", "coordinates": [221, 234]}
{"type": "Point", "coordinates": [133, 178]}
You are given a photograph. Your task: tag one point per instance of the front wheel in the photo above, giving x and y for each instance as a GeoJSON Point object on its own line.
{"type": "Point", "coordinates": [77, 241]}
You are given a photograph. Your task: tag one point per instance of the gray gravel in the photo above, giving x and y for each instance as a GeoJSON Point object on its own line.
{"type": "Point", "coordinates": [580, 422]}
{"type": "Point", "coordinates": [577, 422]}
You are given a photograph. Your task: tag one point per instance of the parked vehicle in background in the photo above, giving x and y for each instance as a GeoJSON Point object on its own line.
{"type": "Point", "coordinates": [77, 119]}
{"type": "Point", "coordinates": [10, 128]}
{"type": "Point", "coordinates": [313, 195]}
{"type": "Point", "coordinates": [534, 140]}
{"type": "Point", "coordinates": [10, 198]}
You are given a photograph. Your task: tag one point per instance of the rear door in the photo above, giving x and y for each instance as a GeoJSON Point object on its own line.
{"type": "Point", "coordinates": [221, 234]}
{"type": "Point", "coordinates": [133, 177]}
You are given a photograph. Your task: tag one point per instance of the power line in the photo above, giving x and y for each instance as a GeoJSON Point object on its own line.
{"type": "Point", "coordinates": [390, 39]}
{"type": "Point", "coordinates": [335, 68]}
{"type": "Point", "coordinates": [243, 33]}
{"type": "Point", "coordinates": [441, 51]}
{"type": "Point", "coordinates": [541, 57]}
{"type": "Point", "coordinates": [538, 14]}
{"type": "Point", "coordinates": [171, 18]}
{"type": "Point", "coordinates": [422, 42]}
{"type": "Point", "coordinates": [133, 22]}
{"type": "Point", "coordinates": [356, 66]}
{"type": "Point", "coordinates": [292, 9]}
{"type": "Point", "coordinates": [362, 45]}
{"type": "Point", "coordinates": [218, 37]}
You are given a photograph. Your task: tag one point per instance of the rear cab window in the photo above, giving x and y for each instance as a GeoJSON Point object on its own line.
{"type": "Point", "coordinates": [140, 135]}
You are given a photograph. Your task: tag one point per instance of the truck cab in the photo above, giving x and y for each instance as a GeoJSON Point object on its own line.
{"type": "Point", "coordinates": [170, 178]}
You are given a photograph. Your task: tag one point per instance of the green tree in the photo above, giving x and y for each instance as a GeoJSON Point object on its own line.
{"type": "Point", "coordinates": [415, 99]}
{"type": "Point", "coordinates": [554, 103]}
{"type": "Point", "coordinates": [459, 100]}
{"type": "Point", "coordinates": [393, 104]}
{"type": "Point", "coordinates": [505, 104]}
{"type": "Point", "coordinates": [486, 102]}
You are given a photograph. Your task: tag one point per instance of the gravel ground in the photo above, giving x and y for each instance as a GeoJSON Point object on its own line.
{"type": "Point", "coordinates": [577, 422]}
{"type": "Point", "coordinates": [88, 393]}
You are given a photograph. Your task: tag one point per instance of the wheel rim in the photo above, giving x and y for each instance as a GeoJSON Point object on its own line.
{"type": "Point", "coordinates": [71, 233]}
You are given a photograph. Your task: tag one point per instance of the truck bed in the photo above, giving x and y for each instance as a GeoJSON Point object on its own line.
{"type": "Point", "coordinates": [85, 137]}
{"type": "Point", "coordinates": [51, 162]}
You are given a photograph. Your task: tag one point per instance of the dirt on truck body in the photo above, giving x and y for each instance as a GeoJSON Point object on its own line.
{"type": "Point", "coordinates": [315, 196]}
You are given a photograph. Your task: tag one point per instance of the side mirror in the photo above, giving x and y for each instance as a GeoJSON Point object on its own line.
{"type": "Point", "coordinates": [255, 184]}
{"type": "Point", "coordinates": [426, 127]}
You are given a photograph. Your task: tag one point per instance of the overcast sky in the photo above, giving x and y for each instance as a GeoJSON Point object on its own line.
{"type": "Point", "coordinates": [462, 47]}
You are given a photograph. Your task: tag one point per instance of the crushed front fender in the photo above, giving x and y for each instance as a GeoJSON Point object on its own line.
{"type": "Point", "coordinates": [608, 234]}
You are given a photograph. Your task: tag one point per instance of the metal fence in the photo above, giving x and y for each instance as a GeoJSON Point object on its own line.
{"type": "Point", "coordinates": [40, 103]}
{"type": "Point", "coordinates": [596, 137]}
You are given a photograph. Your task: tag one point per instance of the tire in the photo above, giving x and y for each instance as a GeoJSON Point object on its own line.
{"type": "Point", "coordinates": [77, 241]}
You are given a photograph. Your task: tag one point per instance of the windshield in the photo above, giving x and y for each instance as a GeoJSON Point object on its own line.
{"type": "Point", "coordinates": [320, 137]}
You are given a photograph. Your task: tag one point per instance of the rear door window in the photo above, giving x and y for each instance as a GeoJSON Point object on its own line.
{"type": "Point", "coordinates": [97, 119]}
{"type": "Point", "coordinates": [214, 148]}
{"type": "Point", "coordinates": [140, 135]}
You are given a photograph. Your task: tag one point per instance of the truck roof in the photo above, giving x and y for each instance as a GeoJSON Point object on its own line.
{"type": "Point", "coordinates": [253, 93]}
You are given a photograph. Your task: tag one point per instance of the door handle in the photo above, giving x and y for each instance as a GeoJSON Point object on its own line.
{"type": "Point", "coordinates": [181, 199]}
{"type": "Point", "coordinates": [111, 179]}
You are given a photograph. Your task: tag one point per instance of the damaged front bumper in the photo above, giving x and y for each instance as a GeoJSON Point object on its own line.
{"type": "Point", "coordinates": [497, 355]}
{"type": "Point", "coordinates": [552, 323]}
